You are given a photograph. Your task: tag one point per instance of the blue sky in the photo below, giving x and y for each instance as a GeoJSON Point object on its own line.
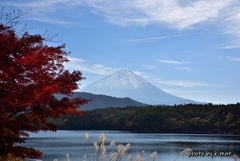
{"type": "Point", "coordinates": [189, 48]}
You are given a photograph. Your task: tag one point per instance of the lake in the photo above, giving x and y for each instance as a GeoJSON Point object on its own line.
{"type": "Point", "coordinates": [168, 146]}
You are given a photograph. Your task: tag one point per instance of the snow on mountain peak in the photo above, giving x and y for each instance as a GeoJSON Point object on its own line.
{"type": "Point", "coordinates": [122, 79]}
{"type": "Point", "coordinates": [124, 83]}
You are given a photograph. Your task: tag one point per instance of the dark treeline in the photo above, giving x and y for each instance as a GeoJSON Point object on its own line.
{"type": "Point", "coordinates": [189, 118]}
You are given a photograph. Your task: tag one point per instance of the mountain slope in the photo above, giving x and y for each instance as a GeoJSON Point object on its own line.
{"type": "Point", "coordinates": [102, 101]}
{"type": "Point", "coordinates": [124, 83]}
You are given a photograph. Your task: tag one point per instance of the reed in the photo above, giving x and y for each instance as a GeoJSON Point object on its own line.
{"type": "Point", "coordinates": [100, 152]}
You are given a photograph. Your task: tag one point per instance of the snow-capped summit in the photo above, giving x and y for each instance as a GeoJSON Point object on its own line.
{"type": "Point", "coordinates": [122, 79]}
{"type": "Point", "coordinates": [124, 83]}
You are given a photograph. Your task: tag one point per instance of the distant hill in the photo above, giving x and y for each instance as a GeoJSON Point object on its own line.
{"type": "Point", "coordinates": [124, 83]}
{"type": "Point", "coordinates": [101, 101]}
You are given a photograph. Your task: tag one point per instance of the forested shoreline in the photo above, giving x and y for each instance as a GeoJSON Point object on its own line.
{"type": "Point", "coordinates": [189, 118]}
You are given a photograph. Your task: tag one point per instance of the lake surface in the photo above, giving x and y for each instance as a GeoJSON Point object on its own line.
{"type": "Point", "coordinates": [57, 144]}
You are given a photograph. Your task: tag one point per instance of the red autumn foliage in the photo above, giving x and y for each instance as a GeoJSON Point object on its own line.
{"type": "Point", "coordinates": [31, 72]}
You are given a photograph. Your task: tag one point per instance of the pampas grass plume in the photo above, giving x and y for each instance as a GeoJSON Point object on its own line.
{"type": "Point", "coordinates": [186, 151]}
{"type": "Point", "coordinates": [112, 143]}
{"type": "Point", "coordinates": [141, 154]}
{"type": "Point", "coordinates": [153, 155]}
{"type": "Point", "coordinates": [67, 157]}
{"type": "Point", "coordinates": [120, 149]}
{"type": "Point", "coordinates": [103, 157]}
{"type": "Point", "coordinates": [85, 137]}
{"type": "Point", "coordinates": [129, 158]}
{"type": "Point", "coordinates": [84, 156]}
{"type": "Point", "coordinates": [139, 158]}
{"type": "Point", "coordinates": [103, 149]}
{"type": "Point", "coordinates": [96, 146]}
{"type": "Point", "coordinates": [101, 138]}
{"type": "Point", "coordinates": [126, 148]}
{"type": "Point", "coordinates": [113, 156]}
{"type": "Point", "coordinates": [235, 157]}
{"type": "Point", "coordinates": [100, 152]}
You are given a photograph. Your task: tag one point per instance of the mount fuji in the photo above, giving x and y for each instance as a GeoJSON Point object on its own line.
{"type": "Point", "coordinates": [124, 83]}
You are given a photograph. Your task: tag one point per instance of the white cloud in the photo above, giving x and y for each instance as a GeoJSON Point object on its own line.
{"type": "Point", "coordinates": [233, 17]}
{"type": "Point", "coordinates": [99, 69]}
{"type": "Point", "coordinates": [38, 6]}
{"type": "Point", "coordinates": [48, 20]}
{"type": "Point", "coordinates": [75, 60]}
{"type": "Point", "coordinates": [142, 75]}
{"type": "Point", "coordinates": [149, 66]}
{"type": "Point", "coordinates": [184, 91]}
{"type": "Point", "coordinates": [170, 62]}
{"type": "Point", "coordinates": [175, 13]}
{"type": "Point", "coordinates": [145, 40]}
{"type": "Point", "coordinates": [187, 69]}
{"type": "Point", "coordinates": [232, 46]}
{"type": "Point", "coordinates": [231, 23]}
{"type": "Point", "coordinates": [180, 83]}
{"type": "Point", "coordinates": [83, 65]}
{"type": "Point", "coordinates": [233, 59]}
{"type": "Point", "coordinates": [171, 12]}
{"type": "Point", "coordinates": [43, 10]}
{"type": "Point", "coordinates": [150, 39]}
{"type": "Point", "coordinates": [186, 83]}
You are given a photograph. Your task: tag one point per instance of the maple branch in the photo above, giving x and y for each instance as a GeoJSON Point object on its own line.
{"type": "Point", "coordinates": [10, 19]}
